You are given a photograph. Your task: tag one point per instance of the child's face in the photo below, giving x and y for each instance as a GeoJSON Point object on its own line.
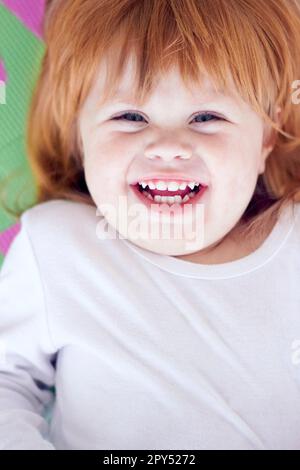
{"type": "Point", "coordinates": [170, 137]}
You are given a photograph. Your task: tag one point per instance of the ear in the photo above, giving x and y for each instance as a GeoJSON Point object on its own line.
{"type": "Point", "coordinates": [269, 140]}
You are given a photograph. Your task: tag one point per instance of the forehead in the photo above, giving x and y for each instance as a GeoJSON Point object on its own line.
{"type": "Point", "coordinates": [169, 82]}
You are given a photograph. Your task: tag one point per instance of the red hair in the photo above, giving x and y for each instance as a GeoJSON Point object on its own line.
{"type": "Point", "coordinates": [256, 43]}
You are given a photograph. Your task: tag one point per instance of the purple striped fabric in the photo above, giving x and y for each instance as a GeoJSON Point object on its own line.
{"type": "Point", "coordinates": [30, 12]}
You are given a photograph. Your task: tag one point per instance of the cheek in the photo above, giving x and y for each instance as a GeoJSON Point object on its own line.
{"type": "Point", "coordinates": [117, 144]}
{"type": "Point", "coordinates": [233, 167]}
{"type": "Point", "coordinates": [235, 155]}
{"type": "Point", "coordinates": [105, 177]}
{"type": "Point", "coordinates": [113, 154]}
{"type": "Point", "coordinates": [108, 163]}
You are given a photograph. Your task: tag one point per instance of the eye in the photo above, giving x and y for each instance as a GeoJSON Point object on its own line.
{"type": "Point", "coordinates": [206, 116]}
{"type": "Point", "coordinates": [136, 117]}
{"type": "Point", "coordinates": [126, 115]}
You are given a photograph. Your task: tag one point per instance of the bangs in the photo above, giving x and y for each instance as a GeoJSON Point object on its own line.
{"type": "Point", "coordinates": [251, 47]}
{"type": "Point", "coordinates": [223, 39]}
{"type": "Point", "coordinates": [237, 43]}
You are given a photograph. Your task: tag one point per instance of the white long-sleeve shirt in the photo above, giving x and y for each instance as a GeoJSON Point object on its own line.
{"type": "Point", "coordinates": [146, 351]}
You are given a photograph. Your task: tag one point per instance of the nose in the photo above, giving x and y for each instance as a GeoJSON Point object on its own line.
{"type": "Point", "coordinates": [168, 149]}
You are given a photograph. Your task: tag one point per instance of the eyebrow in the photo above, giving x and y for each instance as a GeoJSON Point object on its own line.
{"type": "Point", "coordinates": [225, 104]}
{"type": "Point", "coordinates": [128, 100]}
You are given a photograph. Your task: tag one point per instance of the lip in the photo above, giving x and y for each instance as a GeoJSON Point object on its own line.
{"type": "Point", "coordinates": [164, 207]}
{"type": "Point", "coordinates": [161, 177]}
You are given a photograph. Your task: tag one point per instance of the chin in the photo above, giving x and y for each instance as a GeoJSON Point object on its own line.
{"type": "Point", "coordinates": [169, 247]}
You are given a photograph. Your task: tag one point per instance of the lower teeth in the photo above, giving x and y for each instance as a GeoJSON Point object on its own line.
{"type": "Point", "coordinates": [169, 199]}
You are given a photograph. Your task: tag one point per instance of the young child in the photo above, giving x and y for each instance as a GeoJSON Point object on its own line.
{"type": "Point", "coordinates": [151, 116]}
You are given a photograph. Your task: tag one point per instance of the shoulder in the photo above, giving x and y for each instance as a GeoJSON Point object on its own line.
{"type": "Point", "coordinates": [57, 211]}
{"type": "Point", "coordinates": [69, 238]}
{"type": "Point", "coordinates": [59, 224]}
{"type": "Point", "coordinates": [60, 218]}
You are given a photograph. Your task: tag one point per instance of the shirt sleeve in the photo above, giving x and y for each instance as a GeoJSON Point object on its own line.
{"type": "Point", "coordinates": [27, 353]}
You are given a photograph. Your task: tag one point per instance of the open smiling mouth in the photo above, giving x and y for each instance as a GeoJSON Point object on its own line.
{"type": "Point", "coordinates": [190, 194]}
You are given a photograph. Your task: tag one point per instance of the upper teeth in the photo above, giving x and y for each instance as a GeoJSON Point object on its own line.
{"type": "Point", "coordinates": [170, 185]}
